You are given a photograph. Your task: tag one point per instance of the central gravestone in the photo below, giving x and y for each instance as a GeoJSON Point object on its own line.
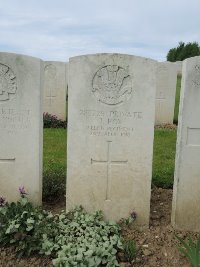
{"type": "Point", "coordinates": [110, 134]}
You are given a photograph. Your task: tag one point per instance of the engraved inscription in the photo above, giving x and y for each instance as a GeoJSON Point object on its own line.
{"type": "Point", "coordinates": [7, 160]}
{"type": "Point", "coordinates": [50, 83]}
{"type": "Point", "coordinates": [113, 123]}
{"type": "Point", "coordinates": [161, 69]}
{"type": "Point", "coordinates": [108, 163]}
{"type": "Point", "coordinates": [8, 84]}
{"type": "Point", "coordinates": [196, 79]}
{"type": "Point", "coordinates": [13, 119]}
{"type": "Point", "coordinates": [112, 85]}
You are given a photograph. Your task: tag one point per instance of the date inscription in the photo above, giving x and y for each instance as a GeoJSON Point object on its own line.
{"type": "Point", "coordinates": [113, 123]}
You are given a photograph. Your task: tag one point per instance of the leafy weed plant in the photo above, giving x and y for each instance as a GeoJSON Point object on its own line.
{"type": "Point", "coordinates": [130, 250]}
{"type": "Point", "coordinates": [22, 225]}
{"type": "Point", "coordinates": [191, 250]}
{"type": "Point", "coordinates": [75, 238]}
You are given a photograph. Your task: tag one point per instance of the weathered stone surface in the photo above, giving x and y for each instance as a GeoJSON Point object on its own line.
{"type": "Point", "coordinates": [165, 92]}
{"type": "Point", "coordinates": [186, 198]}
{"type": "Point", "coordinates": [55, 88]}
{"type": "Point", "coordinates": [20, 126]}
{"type": "Point", "coordinates": [110, 134]}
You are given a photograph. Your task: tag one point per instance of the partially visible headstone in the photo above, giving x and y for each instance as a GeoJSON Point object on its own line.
{"type": "Point", "coordinates": [186, 198]}
{"type": "Point", "coordinates": [55, 88]}
{"type": "Point", "coordinates": [21, 141]}
{"type": "Point", "coordinates": [165, 93]}
{"type": "Point", "coordinates": [110, 134]}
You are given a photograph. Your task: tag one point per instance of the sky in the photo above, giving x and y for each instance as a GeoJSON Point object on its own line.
{"type": "Point", "coordinates": [59, 29]}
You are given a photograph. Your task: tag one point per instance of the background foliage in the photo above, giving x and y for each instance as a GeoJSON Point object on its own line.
{"type": "Point", "coordinates": [183, 51]}
{"type": "Point", "coordinates": [52, 121]}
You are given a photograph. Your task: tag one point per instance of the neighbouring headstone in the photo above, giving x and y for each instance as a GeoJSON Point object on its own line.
{"type": "Point", "coordinates": [165, 93]}
{"type": "Point", "coordinates": [55, 88]}
{"type": "Point", "coordinates": [186, 198]}
{"type": "Point", "coordinates": [21, 126]}
{"type": "Point", "coordinates": [110, 134]}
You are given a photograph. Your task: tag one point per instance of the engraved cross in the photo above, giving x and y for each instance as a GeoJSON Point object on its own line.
{"type": "Point", "coordinates": [7, 160]}
{"type": "Point", "coordinates": [161, 96]}
{"type": "Point", "coordinates": [50, 98]}
{"type": "Point", "coordinates": [108, 163]}
{"type": "Point", "coordinates": [51, 94]}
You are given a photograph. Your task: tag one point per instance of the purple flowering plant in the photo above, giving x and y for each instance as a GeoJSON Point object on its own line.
{"type": "Point", "coordinates": [134, 215]}
{"type": "Point", "coordinates": [22, 191]}
{"type": "Point", "coordinates": [52, 121]}
{"type": "Point", "coordinates": [128, 221]}
{"type": "Point", "coordinates": [2, 201]}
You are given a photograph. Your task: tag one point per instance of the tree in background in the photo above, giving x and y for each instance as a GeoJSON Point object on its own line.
{"type": "Point", "coordinates": [183, 51]}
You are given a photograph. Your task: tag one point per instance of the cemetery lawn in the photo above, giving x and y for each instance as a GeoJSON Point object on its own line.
{"type": "Point", "coordinates": [54, 164]}
{"type": "Point", "coordinates": [55, 147]}
{"type": "Point", "coordinates": [164, 157]}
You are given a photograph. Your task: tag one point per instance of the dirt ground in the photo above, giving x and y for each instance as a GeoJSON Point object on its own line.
{"type": "Point", "coordinates": [157, 246]}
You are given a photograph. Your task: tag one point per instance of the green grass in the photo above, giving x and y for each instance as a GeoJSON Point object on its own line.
{"type": "Point", "coordinates": [164, 157]}
{"type": "Point", "coordinates": [165, 149]}
{"type": "Point", "coordinates": [55, 160]}
{"type": "Point", "coordinates": [55, 147]}
{"type": "Point", "coordinates": [54, 163]}
{"type": "Point", "coordinates": [177, 100]}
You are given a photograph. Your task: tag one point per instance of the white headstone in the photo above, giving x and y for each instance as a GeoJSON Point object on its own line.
{"type": "Point", "coordinates": [186, 199]}
{"type": "Point", "coordinates": [20, 126]}
{"type": "Point", "coordinates": [55, 88]}
{"type": "Point", "coordinates": [110, 134]}
{"type": "Point", "coordinates": [165, 93]}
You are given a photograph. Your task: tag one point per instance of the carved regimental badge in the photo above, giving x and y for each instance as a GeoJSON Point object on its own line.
{"type": "Point", "coordinates": [8, 85]}
{"type": "Point", "coordinates": [112, 85]}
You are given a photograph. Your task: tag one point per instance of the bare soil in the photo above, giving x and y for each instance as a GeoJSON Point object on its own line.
{"type": "Point", "coordinates": [157, 246]}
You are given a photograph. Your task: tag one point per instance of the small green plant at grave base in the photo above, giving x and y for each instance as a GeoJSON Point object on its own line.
{"type": "Point", "coordinates": [85, 240]}
{"type": "Point", "coordinates": [22, 225]}
{"type": "Point", "coordinates": [75, 238]}
{"type": "Point", "coordinates": [191, 250]}
{"type": "Point", "coordinates": [52, 121]}
{"type": "Point", "coordinates": [128, 221]}
{"type": "Point", "coordinates": [130, 250]}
